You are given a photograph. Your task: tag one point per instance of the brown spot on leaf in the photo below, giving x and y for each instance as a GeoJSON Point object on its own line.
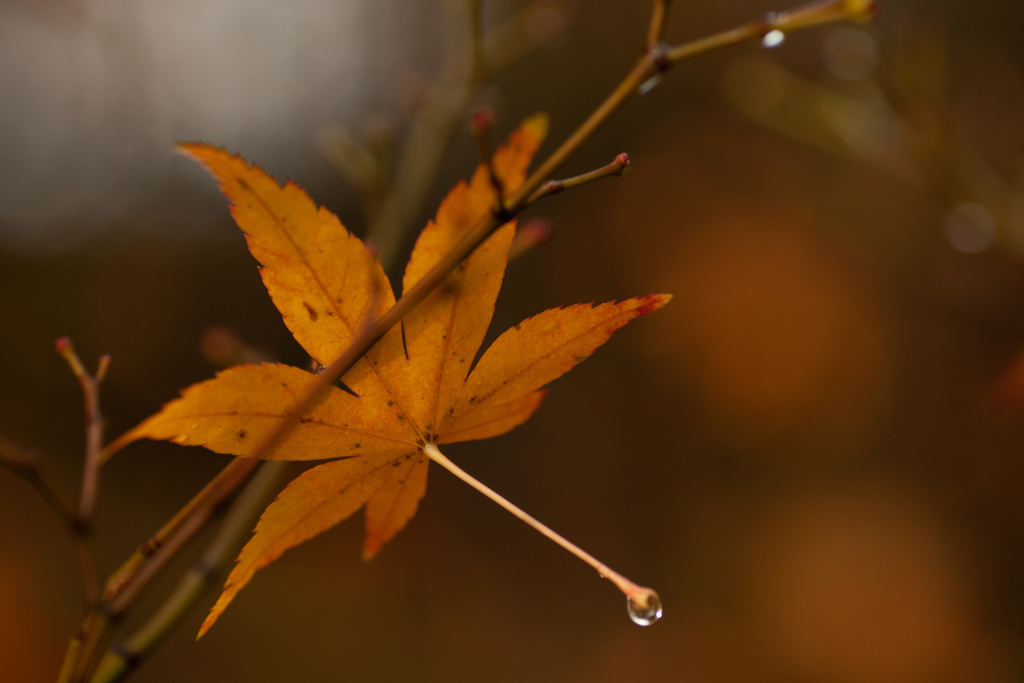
{"type": "Point", "coordinates": [312, 312]}
{"type": "Point", "coordinates": [242, 433]}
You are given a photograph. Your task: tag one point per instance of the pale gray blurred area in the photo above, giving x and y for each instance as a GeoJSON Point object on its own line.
{"type": "Point", "coordinates": [93, 95]}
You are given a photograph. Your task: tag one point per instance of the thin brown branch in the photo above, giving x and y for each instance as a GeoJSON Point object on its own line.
{"type": "Point", "coordinates": [158, 560]}
{"type": "Point", "coordinates": [23, 463]}
{"type": "Point", "coordinates": [238, 523]}
{"type": "Point", "coordinates": [805, 16]}
{"type": "Point", "coordinates": [214, 493]}
{"type": "Point", "coordinates": [94, 423]}
{"type": "Point", "coordinates": [659, 20]}
{"type": "Point", "coordinates": [618, 167]}
{"type": "Point", "coordinates": [134, 574]}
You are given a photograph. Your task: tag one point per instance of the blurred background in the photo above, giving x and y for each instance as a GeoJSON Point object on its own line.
{"type": "Point", "coordinates": [814, 452]}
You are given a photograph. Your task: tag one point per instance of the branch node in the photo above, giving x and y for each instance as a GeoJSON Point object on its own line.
{"type": "Point", "coordinates": [658, 54]}
{"type": "Point", "coordinates": [624, 166]}
{"type": "Point", "coordinates": [80, 526]}
{"type": "Point", "coordinates": [659, 20]}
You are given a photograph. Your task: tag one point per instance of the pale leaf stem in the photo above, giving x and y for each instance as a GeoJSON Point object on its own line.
{"type": "Point", "coordinates": [640, 595]}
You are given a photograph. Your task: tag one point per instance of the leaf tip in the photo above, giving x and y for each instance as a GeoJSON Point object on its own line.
{"type": "Point", "coordinates": [192, 150]}
{"type": "Point", "coordinates": [207, 623]}
{"type": "Point", "coordinates": [371, 546]}
{"type": "Point", "coordinates": [651, 302]}
{"type": "Point", "coordinates": [538, 124]}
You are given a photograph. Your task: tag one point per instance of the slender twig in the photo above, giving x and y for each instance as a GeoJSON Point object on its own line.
{"type": "Point", "coordinates": [158, 560]}
{"type": "Point", "coordinates": [618, 167]}
{"type": "Point", "coordinates": [67, 668]}
{"type": "Point", "coordinates": [127, 654]}
{"type": "Point", "coordinates": [23, 463]}
{"type": "Point", "coordinates": [82, 527]}
{"type": "Point", "coordinates": [93, 425]}
{"type": "Point", "coordinates": [805, 16]}
{"type": "Point", "coordinates": [133, 575]}
{"type": "Point", "coordinates": [637, 594]}
{"type": "Point", "coordinates": [124, 656]}
{"type": "Point", "coordinates": [215, 492]}
{"type": "Point", "coordinates": [659, 21]}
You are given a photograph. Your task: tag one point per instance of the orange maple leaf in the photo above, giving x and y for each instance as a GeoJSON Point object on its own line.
{"type": "Point", "coordinates": [407, 395]}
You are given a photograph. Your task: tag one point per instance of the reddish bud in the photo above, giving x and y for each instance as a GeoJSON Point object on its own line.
{"type": "Point", "coordinates": [623, 160]}
{"type": "Point", "coordinates": [481, 120]}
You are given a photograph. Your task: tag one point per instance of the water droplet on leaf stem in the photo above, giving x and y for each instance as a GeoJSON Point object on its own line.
{"type": "Point", "coordinates": [647, 613]}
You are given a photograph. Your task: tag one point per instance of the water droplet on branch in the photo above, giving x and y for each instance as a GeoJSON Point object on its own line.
{"type": "Point", "coordinates": [649, 85]}
{"type": "Point", "coordinates": [644, 615]}
{"type": "Point", "coordinates": [773, 39]}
